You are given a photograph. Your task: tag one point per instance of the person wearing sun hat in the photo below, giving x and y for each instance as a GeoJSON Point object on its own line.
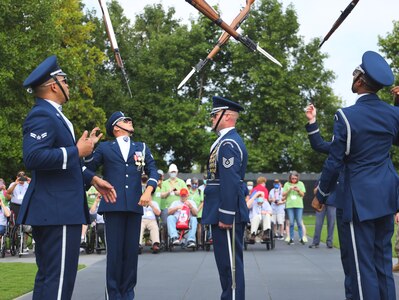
{"type": "Point", "coordinates": [363, 136]}
{"type": "Point", "coordinates": [55, 204]}
{"type": "Point", "coordinates": [124, 162]}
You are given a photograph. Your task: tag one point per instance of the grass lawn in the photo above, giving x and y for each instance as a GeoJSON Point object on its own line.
{"type": "Point", "coordinates": [310, 220]}
{"type": "Point", "coordinates": [17, 279]}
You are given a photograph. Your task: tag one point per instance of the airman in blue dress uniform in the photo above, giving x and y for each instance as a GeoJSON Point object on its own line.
{"type": "Point", "coordinates": [55, 202]}
{"type": "Point", "coordinates": [363, 136]}
{"type": "Point", "coordinates": [224, 202]}
{"type": "Point", "coordinates": [320, 145]}
{"type": "Point", "coordinates": [123, 161]}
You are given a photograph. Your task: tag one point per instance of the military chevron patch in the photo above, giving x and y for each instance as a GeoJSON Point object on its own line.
{"type": "Point", "coordinates": [227, 162]}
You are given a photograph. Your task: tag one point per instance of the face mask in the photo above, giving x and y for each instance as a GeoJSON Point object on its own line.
{"type": "Point", "coordinates": [204, 181]}
{"type": "Point", "coordinates": [250, 188]}
{"type": "Point", "coordinates": [194, 186]}
{"type": "Point", "coordinates": [173, 175]}
{"type": "Point", "coordinates": [276, 186]}
{"type": "Point", "coordinates": [259, 200]}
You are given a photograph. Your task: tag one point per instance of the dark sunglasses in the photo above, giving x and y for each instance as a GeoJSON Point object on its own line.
{"type": "Point", "coordinates": [65, 79]}
{"type": "Point", "coordinates": [127, 120]}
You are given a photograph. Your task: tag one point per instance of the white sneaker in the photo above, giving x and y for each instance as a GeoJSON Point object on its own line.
{"type": "Point", "coordinates": [305, 239]}
{"type": "Point", "coordinates": [191, 244]}
{"type": "Point", "coordinates": [176, 241]}
{"type": "Point", "coordinates": [26, 250]}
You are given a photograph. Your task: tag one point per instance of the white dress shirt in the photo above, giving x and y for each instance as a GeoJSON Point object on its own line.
{"type": "Point", "coordinates": [124, 145]}
{"type": "Point", "coordinates": [59, 108]}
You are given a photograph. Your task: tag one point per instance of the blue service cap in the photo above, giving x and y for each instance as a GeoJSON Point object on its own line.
{"type": "Point", "coordinates": [220, 103]}
{"type": "Point", "coordinates": [113, 119]}
{"type": "Point", "coordinates": [46, 70]}
{"type": "Point", "coordinates": [376, 68]}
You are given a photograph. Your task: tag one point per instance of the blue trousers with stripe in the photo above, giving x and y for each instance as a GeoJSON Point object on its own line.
{"type": "Point", "coordinates": [122, 233]}
{"type": "Point", "coordinates": [345, 243]}
{"type": "Point", "coordinates": [57, 256]}
{"type": "Point", "coordinates": [221, 252]}
{"type": "Point", "coordinates": [374, 258]}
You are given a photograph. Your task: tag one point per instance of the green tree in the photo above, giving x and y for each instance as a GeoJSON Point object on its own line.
{"type": "Point", "coordinates": [390, 47]}
{"type": "Point", "coordinates": [29, 32]}
{"type": "Point", "coordinates": [157, 50]}
{"type": "Point", "coordinates": [274, 97]}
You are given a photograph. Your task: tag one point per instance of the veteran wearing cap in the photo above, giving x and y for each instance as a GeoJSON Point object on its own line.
{"type": "Point", "coordinates": [363, 136]}
{"type": "Point", "coordinates": [124, 161]}
{"type": "Point", "coordinates": [55, 202]}
{"type": "Point", "coordinates": [224, 203]}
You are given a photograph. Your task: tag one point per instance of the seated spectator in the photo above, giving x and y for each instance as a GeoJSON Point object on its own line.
{"type": "Point", "coordinates": [278, 208]}
{"type": "Point", "coordinates": [4, 214]}
{"type": "Point", "coordinates": [174, 213]}
{"type": "Point", "coordinates": [98, 220]}
{"type": "Point", "coordinates": [149, 221]}
{"type": "Point", "coordinates": [259, 210]}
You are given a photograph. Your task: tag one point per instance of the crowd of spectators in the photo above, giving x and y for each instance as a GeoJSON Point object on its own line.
{"type": "Point", "coordinates": [281, 207]}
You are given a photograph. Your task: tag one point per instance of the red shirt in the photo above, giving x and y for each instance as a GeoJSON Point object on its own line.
{"type": "Point", "coordinates": [261, 188]}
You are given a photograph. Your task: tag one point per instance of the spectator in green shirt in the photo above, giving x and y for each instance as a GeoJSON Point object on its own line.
{"type": "Point", "coordinates": [197, 196]}
{"type": "Point", "coordinates": [294, 190]}
{"type": "Point", "coordinates": [170, 192]}
{"type": "Point", "coordinates": [157, 194]}
{"type": "Point", "coordinates": [171, 187]}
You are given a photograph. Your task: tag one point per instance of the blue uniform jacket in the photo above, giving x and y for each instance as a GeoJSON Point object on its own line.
{"type": "Point", "coordinates": [56, 194]}
{"type": "Point", "coordinates": [124, 176]}
{"type": "Point", "coordinates": [225, 194]}
{"type": "Point", "coordinates": [320, 145]}
{"type": "Point", "coordinates": [363, 136]}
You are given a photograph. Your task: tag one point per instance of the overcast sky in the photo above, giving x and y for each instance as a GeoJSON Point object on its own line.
{"type": "Point", "coordinates": [359, 32]}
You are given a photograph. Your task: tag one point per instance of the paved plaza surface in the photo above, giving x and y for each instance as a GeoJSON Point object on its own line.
{"type": "Point", "coordinates": [285, 273]}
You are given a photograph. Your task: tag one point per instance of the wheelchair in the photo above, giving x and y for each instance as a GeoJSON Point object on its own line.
{"type": "Point", "coordinates": [17, 234]}
{"type": "Point", "coordinates": [95, 238]}
{"type": "Point", "coordinates": [5, 239]}
{"type": "Point", "coordinates": [270, 242]}
{"type": "Point", "coordinates": [206, 236]}
{"type": "Point", "coordinates": [182, 239]}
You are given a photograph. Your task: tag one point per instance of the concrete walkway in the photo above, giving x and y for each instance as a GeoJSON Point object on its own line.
{"type": "Point", "coordinates": [285, 273]}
